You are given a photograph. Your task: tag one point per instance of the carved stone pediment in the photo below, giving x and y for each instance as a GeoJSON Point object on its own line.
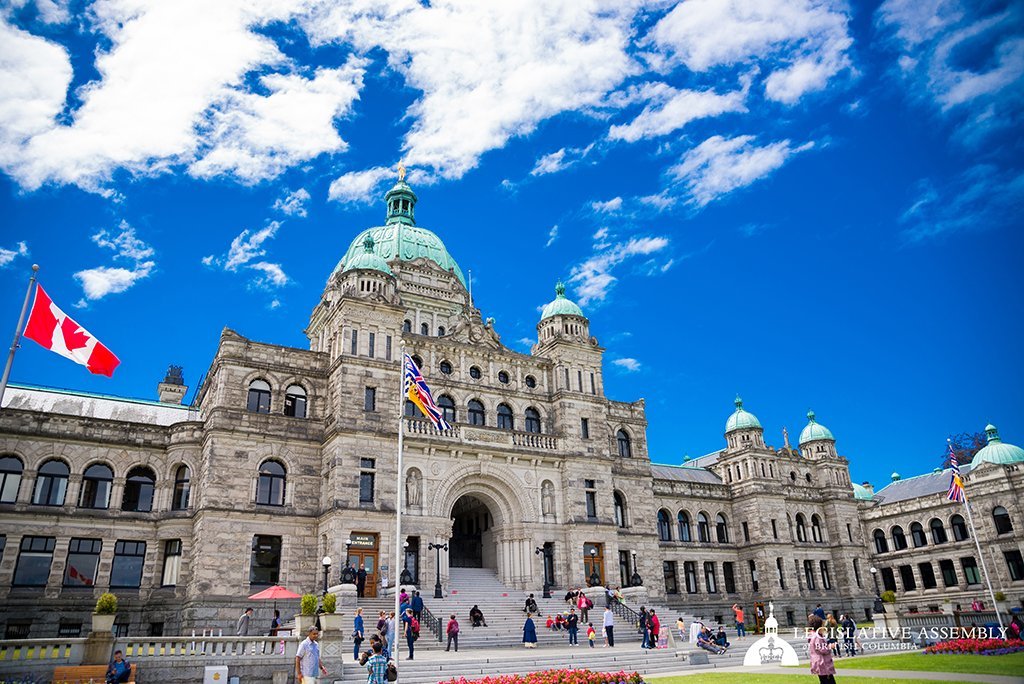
{"type": "Point", "coordinates": [471, 330]}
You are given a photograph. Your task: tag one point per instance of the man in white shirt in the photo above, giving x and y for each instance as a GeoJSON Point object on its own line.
{"type": "Point", "coordinates": [308, 666]}
{"type": "Point", "coordinates": [609, 626]}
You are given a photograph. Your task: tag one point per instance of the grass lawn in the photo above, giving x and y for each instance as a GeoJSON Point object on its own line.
{"type": "Point", "coordinates": [751, 678]}
{"type": "Point", "coordinates": [1012, 664]}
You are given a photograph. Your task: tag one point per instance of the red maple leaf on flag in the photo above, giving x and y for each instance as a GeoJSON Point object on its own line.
{"type": "Point", "coordinates": [74, 338]}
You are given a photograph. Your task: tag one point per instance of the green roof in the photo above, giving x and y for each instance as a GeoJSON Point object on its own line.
{"type": "Point", "coordinates": [561, 306]}
{"type": "Point", "coordinates": [405, 243]}
{"type": "Point", "coordinates": [741, 420]}
{"type": "Point", "coordinates": [814, 431]}
{"type": "Point", "coordinates": [861, 492]}
{"type": "Point", "coordinates": [368, 259]}
{"type": "Point", "coordinates": [997, 451]}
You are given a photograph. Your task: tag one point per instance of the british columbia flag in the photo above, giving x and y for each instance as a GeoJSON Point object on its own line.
{"type": "Point", "coordinates": [956, 484]}
{"type": "Point", "coordinates": [416, 390]}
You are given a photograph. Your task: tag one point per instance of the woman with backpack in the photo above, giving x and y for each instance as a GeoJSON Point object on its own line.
{"type": "Point", "coordinates": [453, 633]}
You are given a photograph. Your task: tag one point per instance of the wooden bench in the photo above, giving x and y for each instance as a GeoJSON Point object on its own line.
{"type": "Point", "coordinates": [85, 674]}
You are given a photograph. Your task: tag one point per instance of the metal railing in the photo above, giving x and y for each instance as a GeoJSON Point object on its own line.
{"type": "Point", "coordinates": [620, 609]}
{"type": "Point", "coordinates": [432, 623]}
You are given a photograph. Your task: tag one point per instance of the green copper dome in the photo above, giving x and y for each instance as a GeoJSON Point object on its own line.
{"type": "Point", "coordinates": [861, 492]}
{"type": "Point", "coordinates": [996, 451]}
{"type": "Point", "coordinates": [368, 259]}
{"type": "Point", "coordinates": [561, 306]}
{"type": "Point", "coordinates": [814, 431]}
{"type": "Point", "coordinates": [741, 420]}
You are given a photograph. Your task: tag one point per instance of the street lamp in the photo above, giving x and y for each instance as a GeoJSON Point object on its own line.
{"type": "Point", "coordinates": [635, 580]}
{"type": "Point", "coordinates": [437, 585]}
{"type": "Point", "coordinates": [326, 562]}
{"type": "Point", "coordinates": [595, 579]}
{"type": "Point", "coordinates": [348, 575]}
{"type": "Point", "coordinates": [879, 607]}
{"type": "Point", "coordinates": [545, 552]}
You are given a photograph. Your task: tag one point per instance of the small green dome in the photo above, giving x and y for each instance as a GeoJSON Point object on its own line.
{"type": "Point", "coordinates": [997, 451]}
{"type": "Point", "coordinates": [895, 477]}
{"type": "Point", "coordinates": [741, 420]}
{"type": "Point", "coordinates": [368, 259]}
{"type": "Point", "coordinates": [814, 431]}
{"type": "Point", "coordinates": [561, 306]}
{"type": "Point", "coordinates": [861, 492]}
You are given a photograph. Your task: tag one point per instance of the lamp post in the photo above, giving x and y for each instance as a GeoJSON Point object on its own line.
{"type": "Point", "coordinates": [879, 607]}
{"type": "Point", "coordinates": [635, 580]}
{"type": "Point", "coordinates": [595, 579]}
{"type": "Point", "coordinates": [326, 562]}
{"type": "Point", "coordinates": [545, 552]}
{"type": "Point", "coordinates": [348, 575]}
{"type": "Point", "coordinates": [437, 584]}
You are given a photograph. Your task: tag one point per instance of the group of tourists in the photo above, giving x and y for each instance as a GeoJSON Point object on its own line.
{"type": "Point", "coordinates": [570, 622]}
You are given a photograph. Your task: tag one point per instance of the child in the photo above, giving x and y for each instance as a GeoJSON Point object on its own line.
{"type": "Point", "coordinates": [550, 622]}
{"type": "Point", "coordinates": [681, 626]}
{"type": "Point", "coordinates": [591, 634]}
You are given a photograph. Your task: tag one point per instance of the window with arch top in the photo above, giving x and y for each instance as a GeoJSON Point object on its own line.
{"type": "Point", "coordinates": [295, 401]}
{"type": "Point", "coordinates": [503, 377]}
{"type": "Point", "coordinates": [664, 526]}
{"type": "Point", "coordinates": [271, 484]}
{"type": "Point", "coordinates": [259, 397]}
{"type": "Point", "coordinates": [620, 509]}
{"type": "Point", "coordinates": [407, 326]}
{"type": "Point", "coordinates": [11, 468]}
{"type": "Point", "coordinates": [959, 528]}
{"type": "Point", "coordinates": [139, 486]}
{"type": "Point", "coordinates": [506, 419]}
{"type": "Point", "coordinates": [917, 536]}
{"type": "Point", "coordinates": [51, 484]}
{"type": "Point", "coordinates": [881, 543]}
{"type": "Point", "coordinates": [477, 415]}
{"type": "Point", "coordinates": [410, 410]}
{"type": "Point", "coordinates": [532, 420]}
{"type": "Point", "coordinates": [938, 531]}
{"type": "Point", "coordinates": [703, 528]}
{"type": "Point", "coordinates": [1001, 518]}
{"type": "Point", "coordinates": [816, 534]}
{"type": "Point", "coordinates": [182, 488]}
{"type": "Point", "coordinates": [801, 528]}
{"type": "Point", "coordinates": [625, 447]}
{"type": "Point", "coordinates": [424, 329]}
{"type": "Point", "coordinates": [721, 529]}
{"type": "Point", "coordinates": [96, 484]}
{"type": "Point", "coordinates": [899, 540]}
{"type": "Point", "coordinates": [440, 331]}
{"type": "Point", "coordinates": [683, 522]}
{"type": "Point", "coordinates": [447, 406]}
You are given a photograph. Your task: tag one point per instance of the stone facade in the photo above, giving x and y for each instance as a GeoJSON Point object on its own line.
{"type": "Point", "coordinates": [288, 455]}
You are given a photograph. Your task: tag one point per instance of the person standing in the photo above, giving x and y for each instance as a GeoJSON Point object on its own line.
{"type": "Point", "coordinates": [412, 628]}
{"type": "Point", "coordinates": [645, 628]}
{"type": "Point", "coordinates": [584, 605]}
{"type": "Point", "coordinates": [655, 628]}
{"type": "Point", "coordinates": [591, 634]}
{"type": "Point", "coordinates": [820, 652]}
{"type": "Point", "coordinates": [361, 581]}
{"type": "Point", "coordinates": [308, 666]}
{"type": "Point", "coordinates": [609, 626]}
{"type": "Point", "coordinates": [849, 628]}
{"type": "Point", "coordinates": [529, 632]}
{"type": "Point", "coordinates": [572, 625]}
{"type": "Point", "coordinates": [377, 666]}
{"type": "Point", "coordinates": [358, 633]}
{"type": "Point", "coordinates": [681, 626]}
{"type": "Point", "coordinates": [417, 605]}
{"type": "Point", "coordinates": [819, 611]}
{"type": "Point", "coordinates": [392, 636]}
{"type": "Point", "coordinates": [242, 627]}
{"type": "Point", "coordinates": [275, 624]}
{"type": "Point", "coordinates": [741, 627]}
{"type": "Point", "coordinates": [453, 633]}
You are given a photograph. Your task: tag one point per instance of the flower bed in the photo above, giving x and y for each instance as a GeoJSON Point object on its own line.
{"type": "Point", "coordinates": [977, 647]}
{"type": "Point", "coordinates": [558, 677]}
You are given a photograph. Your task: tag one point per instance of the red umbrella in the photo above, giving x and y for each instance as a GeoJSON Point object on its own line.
{"type": "Point", "coordinates": [274, 593]}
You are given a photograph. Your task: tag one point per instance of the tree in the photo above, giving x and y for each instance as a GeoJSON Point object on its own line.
{"type": "Point", "coordinates": [965, 445]}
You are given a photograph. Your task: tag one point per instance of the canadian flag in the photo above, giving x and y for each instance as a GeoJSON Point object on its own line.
{"type": "Point", "coordinates": [58, 332]}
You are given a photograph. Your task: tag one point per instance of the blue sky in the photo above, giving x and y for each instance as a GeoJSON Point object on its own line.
{"type": "Point", "coordinates": [812, 204]}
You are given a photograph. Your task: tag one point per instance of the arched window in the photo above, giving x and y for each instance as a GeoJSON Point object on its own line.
{"type": "Point", "coordinates": [683, 522]}
{"type": "Point", "coordinates": [407, 326]}
{"type": "Point", "coordinates": [503, 377]}
{"type": "Point", "coordinates": [440, 331]}
{"type": "Point", "coordinates": [138, 490]}
{"type": "Point", "coordinates": [664, 526]}
{"type": "Point", "coordinates": [51, 484]}
{"type": "Point", "coordinates": [703, 528]}
{"type": "Point", "coordinates": [899, 540]}
{"type": "Point", "coordinates": [532, 420]}
{"type": "Point", "coordinates": [917, 536]}
{"type": "Point", "coordinates": [259, 397]}
{"type": "Point", "coordinates": [477, 416]}
{"type": "Point", "coordinates": [721, 529]}
{"type": "Point", "coordinates": [959, 528]}
{"type": "Point", "coordinates": [96, 484]}
{"type": "Point", "coordinates": [270, 486]}
{"type": "Point", "coordinates": [10, 478]}
{"type": "Point", "coordinates": [620, 509]}
{"type": "Point", "coordinates": [816, 533]}
{"type": "Point", "coordinates": [424, 329]}
{"type": "Point", "coordinates": [801, 528]}
{"type": "Point", "coordinates": [295, 401]}
{"type": "Point", "coordinates": [625, 448]}
{"type": "Point", "coordinates": [1002, 520]}
{"type": "Point", "coordinates": [506, 421]}
{"type": "Point", "coordinates": [881, 543]}
{"type": "Point", "coordinates": [938, 531]}
{"type": "Point", "coordinates": [418, 361]}
{"type": "Point", "coordinates": [531, 381]}
{"type": "Point", "coordinates": [447, 406]}
{"type": "Point", "coordinates": [474, 372]}
{"type": "Point", "coordinates": [411, 410]}
{"type": "Point", "coordinates": [182, 488]}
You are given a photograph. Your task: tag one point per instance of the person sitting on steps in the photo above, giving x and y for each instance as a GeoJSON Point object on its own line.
{"type": "Point", "coordinates": [531, 605]}
{"type": "Point", "coordinates": [476, 617]}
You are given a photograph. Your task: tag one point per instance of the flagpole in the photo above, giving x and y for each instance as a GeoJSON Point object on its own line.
{"type": "Point", "coordinates": [981, 558]}
{"type": "Point", "coordinates": [17, 334]}
{"type": "Point", "coordinates": [398, 496]}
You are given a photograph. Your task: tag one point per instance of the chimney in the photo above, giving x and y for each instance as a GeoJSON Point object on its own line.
{"type": "Point", "coordinates": [172, 389]}
{"type": "Point", "coordinates": [868, 486]}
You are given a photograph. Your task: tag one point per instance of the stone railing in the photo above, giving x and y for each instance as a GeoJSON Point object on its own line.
{"type": "Point", "coordinates": [138, 649]}
{"type": "Point", "coordinates": [416, 426]}
{"type": "Point", "coordinates": [917, 621]}
{"type": "Point", "coordinates": [535, 440]}
{"type": "Point", "coordinates": [22, 655]}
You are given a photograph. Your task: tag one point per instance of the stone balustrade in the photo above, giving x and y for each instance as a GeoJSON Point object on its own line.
{"type": "Point", "coordinates": [22, 655]}
{"type": "Point", "coordinates": [139, 649]}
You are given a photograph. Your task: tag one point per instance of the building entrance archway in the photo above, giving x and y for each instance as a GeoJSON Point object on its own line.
{"type": "Point", "coordinates": [472, 544]}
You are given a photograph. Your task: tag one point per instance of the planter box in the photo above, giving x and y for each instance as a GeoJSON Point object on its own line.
{"type": "Point", "coordinates": [333, 622]}
{"type": "Point", "coordinates": [103, 623]}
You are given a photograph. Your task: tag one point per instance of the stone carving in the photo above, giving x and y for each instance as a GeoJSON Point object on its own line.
{"type": "Point", "coordinates": [414, 488]}
{"type": "Point", "coordinates": [469, 328]}
{"type": "Point", "coordinates": [547, 498]}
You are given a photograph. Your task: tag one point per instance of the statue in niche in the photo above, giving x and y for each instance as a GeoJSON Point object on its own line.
{"type": "Point", "coordinates": [547, 498]}
{"type": "Point", "coordinates": [413, 488]}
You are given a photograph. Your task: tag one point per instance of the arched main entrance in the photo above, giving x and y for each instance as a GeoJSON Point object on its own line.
{"type": "Point", "coordinates": [472, 544]}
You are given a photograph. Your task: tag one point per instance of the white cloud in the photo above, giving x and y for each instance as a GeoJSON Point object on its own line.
{"type": "Point", "coordinates": [103, 280]}
{"type": "Point", "coordinates": [559, 160]}
{"type": "Point", "coordinates": [9, 255]}
{"type": "Point", "coordinates": [294, 203]}
{"type": "Point", "coordinates": [552, 235]}
{"type": "Point", "coordinates": [629, 364]}
{"type": "Point", "coordinates": [273, 275]}
{"type": "Point", "coordinates": [360, 186]}
{"type": "Point", "coordinates": [720, 165]}
{"type": "Point", "coordinates": [609, 207]}
{"type": "Point", "coordinates": [670, 109]}
{"type": "Point", "coordinates": [593, 278]}
{"type": "Point", "coordinates": [800, 43]}
{"type": "Point", "coordinates": [246, 247]}
{"type": "Point", "coordinates": [981, 197]}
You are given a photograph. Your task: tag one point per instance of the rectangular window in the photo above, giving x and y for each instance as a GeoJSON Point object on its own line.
{"type": "Point", "coordinates": [120, 630]}
{"type": "Point", "coordinates": [3, 545]}
{"type": "Point", "coordinates": [593, 385]}
{"type": "Point", "coordinates": [849, 531]}
{"type": "Point", "coordinates": [856, 572]}
{"type": "Point", "coordinates": [690, 570]}
{"type": "Point", "coordinates": [83, 561]}
{"type": "Point", "coordinates": [809, 574]}
{"type": "Point", "coordinates": [907, 578]}
{"type": "Point", "coordinates": [585, 428]}
{"type": "Point", "coordinates": [1015, 564]}
{"type": "Point", "coordinates": [826, 576]}
{"type": "Point", "coordinates": [355, 342]}
{"type": "Point", "coordinates": [265, 564]}
{"type": "Point", "coordinates": [34, 557]}
{"type": "Point", "coordinates": [69, 630]}
{"type": "Point", "coordinates": [782, 575]}
{"type": "Point", "coordinates": [370, 399]}
{"type": "Point", "coordinates": [775, 529]}
{"type": "Point", "coordinates": [729, 578]}
{"type": "Point", "coordinates": [948, 571]}
{"type": "Point", "coordinates": [669, 568]}
{"type": "Point", "coordinates": [591, 504]}
{"type": "Point", "coordinates": [129, 557]}
{"type": "Point", "coordinates": [579, 380]}
{"type": "Point", "coordinates": [753, 575]}
{"type": "Point", "coordinates": [17, 629]}
{"type": "Point", "coordinates": [367, 477]}
{"type": "Point", "coordinates": [371, 341]}
{"type": "Point", "coordinates": [927, 575]}
{"type": "Point", "coordinates": [746, 532]}
{"type": "Point", "coordinates": [567, 379]}
{"type": "Point", "coordinates": [172, 563]}
{"type": "Point", "coordinates": [156, 629]}
{"type": "Point", "coordinates": [710, 582]}
{"type": "Point", "coordinates": [971, 570]}
{"type": "Point", "coordinates": [888, 579]}
{"type": "Point", "coordinates": [387, 347]}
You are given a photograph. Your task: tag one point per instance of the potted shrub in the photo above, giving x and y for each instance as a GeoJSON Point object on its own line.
{"type": "Point", "coordinates": [331, 619]}
{"type": "Point", "coordinates": [889, 596]}
{"type": "Point", "coordinates": [307, 614]}
{"type": "Point", "coordinates": [105, 613]}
